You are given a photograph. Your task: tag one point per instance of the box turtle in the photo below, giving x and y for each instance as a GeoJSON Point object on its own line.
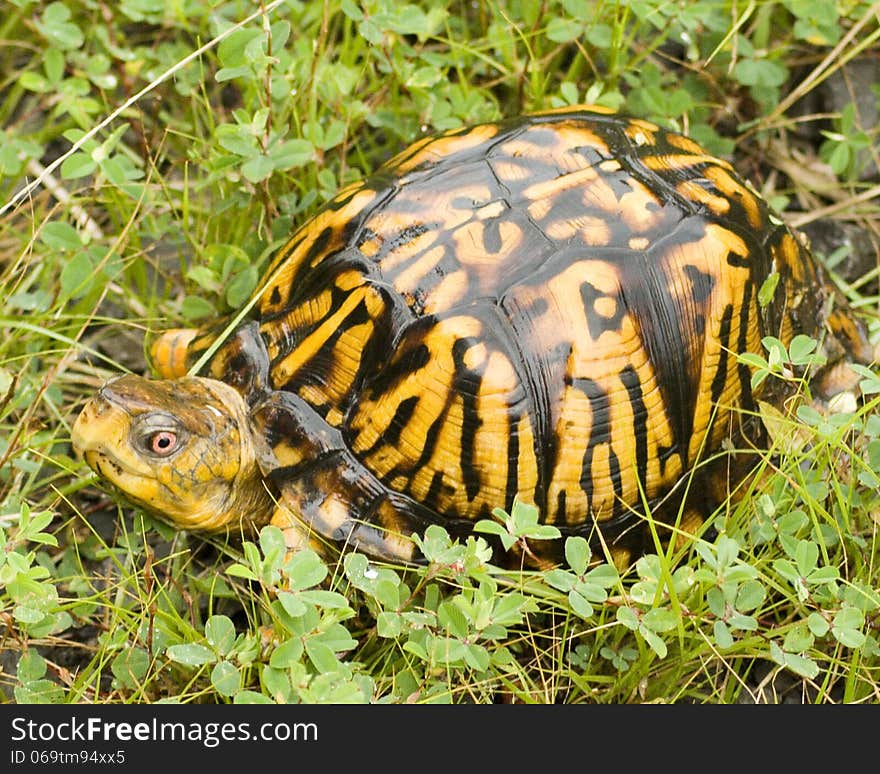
{"type": "Point", "coordinates": [547, 308]}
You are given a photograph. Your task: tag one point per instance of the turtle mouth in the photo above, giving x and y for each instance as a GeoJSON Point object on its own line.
{"type": "Point", "coordinates": [113, 470]}
{"type": "Point", "coordinates": [103, 464]}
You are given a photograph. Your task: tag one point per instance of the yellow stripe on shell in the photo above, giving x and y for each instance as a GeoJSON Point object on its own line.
{"type": "Point", "coordinates": [695, 192]}
{"type": "Point", "coordinates": [347, 356]}
{"type": "Point", "coordinates": [287, 367]}
{"type": "Point", "coordinates": [592, 230]}
{"type": "Point", "coordinates": [451, 289]}
{"type": "Point", "coordinates": [412, 277]}
{"type": "Point", "coordinates": [500, 394]}
{"type": "Point", "coordinates": [684, 143]}
{"type": "Point", "coordinates": [433, 149]}
{"type": "Point", "coordinates": [288, 260]}
{"type": "Point", "coordinates": [587, 178]}
{"type": "Point", "coordinates": [729, 282]}
{"type": "Point", "coordinates": [471, 251]}
{"type": "Point", "coordinates": [731, 188]}
{"type": "Point", "coordinates": [671, 161]}
{"type": "Point", "coordinates": [586, 107]}
{"type": "Point", "coordinates": [641, 132]}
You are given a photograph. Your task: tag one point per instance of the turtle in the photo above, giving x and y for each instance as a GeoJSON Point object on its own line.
{"type": "Point", "coordinates": [545, 310]}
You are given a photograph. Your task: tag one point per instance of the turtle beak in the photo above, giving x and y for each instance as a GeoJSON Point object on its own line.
{"type": "Point", "coordinates": [102, 425]}
{"type": "Point", "coordinates": [90, 428]}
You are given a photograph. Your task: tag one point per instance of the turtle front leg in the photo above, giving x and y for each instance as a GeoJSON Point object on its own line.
{"type": "Point", "coordinates": [297, 534]}
{"type": "Point", "coordinates": [313, 515]}
{"type": "Point", "coordinates": [326, 495]}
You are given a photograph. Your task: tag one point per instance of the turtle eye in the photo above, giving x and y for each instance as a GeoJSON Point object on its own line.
{"type": "Point", "coordinates": [162, 443]}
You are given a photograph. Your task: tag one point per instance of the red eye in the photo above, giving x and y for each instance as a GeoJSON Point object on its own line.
{"type": "Point", "coordinates": [162, 443]}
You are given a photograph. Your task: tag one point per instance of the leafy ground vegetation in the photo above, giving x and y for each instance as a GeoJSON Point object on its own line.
{"type": "Point", "coordinates": [152, 155]}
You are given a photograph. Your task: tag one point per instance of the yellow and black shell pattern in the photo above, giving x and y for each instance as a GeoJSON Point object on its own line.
{"type": "Point", "coordinates": [547, 308]}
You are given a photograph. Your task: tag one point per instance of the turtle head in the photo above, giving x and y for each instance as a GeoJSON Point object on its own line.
{"type": "Point", "coordinates": [181, 448]}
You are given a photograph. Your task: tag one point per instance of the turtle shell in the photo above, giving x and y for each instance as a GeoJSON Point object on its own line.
{"type": "Point", "coordinates": [548, 308]}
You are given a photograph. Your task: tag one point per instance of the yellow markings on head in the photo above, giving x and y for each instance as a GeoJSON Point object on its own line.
{"type": "Point", "coordinates": [433, 149]}
{"type": "Point", "coordinates": [730, 187]}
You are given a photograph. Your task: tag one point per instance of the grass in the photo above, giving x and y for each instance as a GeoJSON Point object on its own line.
{"type": "Point", "coordinates": [152, 155]}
